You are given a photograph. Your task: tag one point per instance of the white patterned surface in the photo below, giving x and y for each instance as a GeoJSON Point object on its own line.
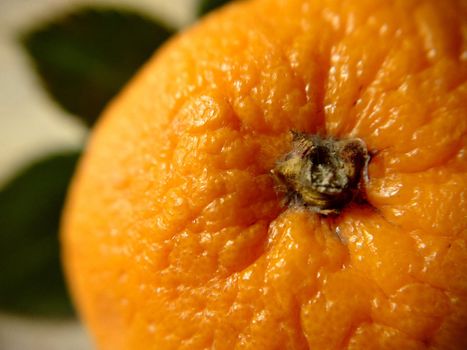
{"type": "Point", "coordinates": [32, 125]}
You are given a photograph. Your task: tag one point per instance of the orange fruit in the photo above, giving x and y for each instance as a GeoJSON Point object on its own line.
{"type": "Point", "coordinates": [174, 236]}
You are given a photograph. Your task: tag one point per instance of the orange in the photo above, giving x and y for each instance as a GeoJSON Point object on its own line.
{"type": "Point", "coordinates": [174, 236]}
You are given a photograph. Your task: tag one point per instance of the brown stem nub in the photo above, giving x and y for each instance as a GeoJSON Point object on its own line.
{"type": "Point", "coordinates": [323, 174]}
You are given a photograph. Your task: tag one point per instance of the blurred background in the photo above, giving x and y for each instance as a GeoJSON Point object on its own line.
{"type": "Point", "coordinates": [61, 61]}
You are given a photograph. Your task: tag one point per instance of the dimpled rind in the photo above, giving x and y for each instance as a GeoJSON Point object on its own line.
{"type": "Point", "coordinates": [174, 238]}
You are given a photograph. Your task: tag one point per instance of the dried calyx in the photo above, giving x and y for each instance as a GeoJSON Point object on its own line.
{"type": "Point", "coordinates": [322, 174]}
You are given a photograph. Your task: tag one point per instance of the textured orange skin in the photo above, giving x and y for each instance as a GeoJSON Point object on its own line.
{"type": "Point", "coordinates": [174, 237]}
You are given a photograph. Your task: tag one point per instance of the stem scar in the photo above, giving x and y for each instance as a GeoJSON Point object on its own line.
{"type": "Point", "coordinates": [323, 174]}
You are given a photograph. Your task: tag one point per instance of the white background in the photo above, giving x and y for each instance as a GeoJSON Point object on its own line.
{"type": "Point", "coordinates": [32, 125]}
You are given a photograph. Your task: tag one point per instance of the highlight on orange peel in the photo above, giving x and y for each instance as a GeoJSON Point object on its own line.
{"type": "Point", "coordinates": [174, 236]}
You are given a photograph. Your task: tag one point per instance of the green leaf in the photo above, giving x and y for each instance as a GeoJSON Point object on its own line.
{"type": "Point", "coordinates": [206, 6]}
{"type": "Point", "coordinates": [31, 280]}
{"type": "Point", "coordinates": [84, 58]}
